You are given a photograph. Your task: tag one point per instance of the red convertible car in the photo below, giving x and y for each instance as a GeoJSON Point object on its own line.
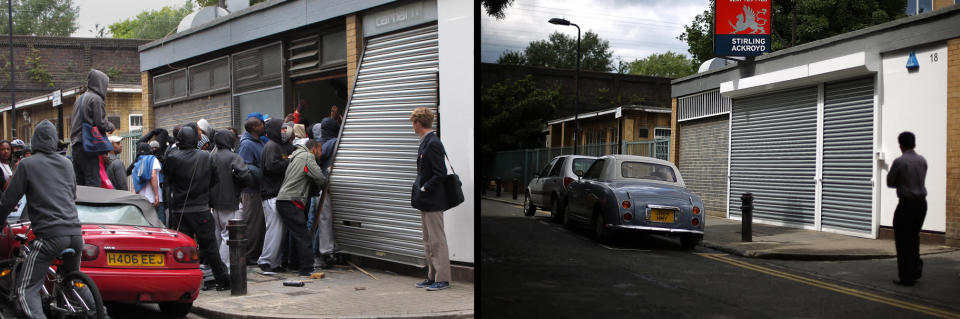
{"type": "Point", "coordinates": [127, 251]}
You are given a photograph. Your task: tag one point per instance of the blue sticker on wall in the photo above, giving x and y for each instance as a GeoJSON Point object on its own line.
{"type": "Point", "coordinates": [912, 63]}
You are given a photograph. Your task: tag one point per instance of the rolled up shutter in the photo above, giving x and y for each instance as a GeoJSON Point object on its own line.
{"type": "Point", "coordinates": [773, 154]}
{"type": "Point", "coordinates": [376, 160]}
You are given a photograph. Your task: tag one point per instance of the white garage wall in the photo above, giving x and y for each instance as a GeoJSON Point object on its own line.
{"type": "Point", "coordinates": [916, 101]}
{"type": "Point", "coordinates": [455, 21]}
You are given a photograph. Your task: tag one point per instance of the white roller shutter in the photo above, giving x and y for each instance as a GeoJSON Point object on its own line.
{"type": "Point", "coordinates": [773, 154]}
{"type": "Point", "coordinates": [847, 201]}
{"type": "Point", "coordinates": [375, 163]}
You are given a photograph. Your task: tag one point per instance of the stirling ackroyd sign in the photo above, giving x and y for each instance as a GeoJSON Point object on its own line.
{"type": "Point", "coordinates": [742, 28]}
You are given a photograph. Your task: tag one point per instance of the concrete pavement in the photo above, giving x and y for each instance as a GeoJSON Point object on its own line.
{"type": "Point", "coordinates": [343, 293]}
{"type": "Point", "coordinates": [788, 243]}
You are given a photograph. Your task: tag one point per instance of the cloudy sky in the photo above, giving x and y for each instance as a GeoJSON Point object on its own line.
{"type": "Point", "coordinates": [635, 28]}
{"type": "Point", "coordinates": [106, 12]}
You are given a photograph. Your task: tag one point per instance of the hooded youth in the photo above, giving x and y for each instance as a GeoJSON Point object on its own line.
{"type": "Point", "coordinates": [231, 171]}
{"type": "Point", "coordinates": [48, 181]}
{"type": "Point", "coordinates": [190, 174]}
{"type": "Point", "coordinates": [92, 108]}
{"type": "Point", "coordinates": [274, 159]}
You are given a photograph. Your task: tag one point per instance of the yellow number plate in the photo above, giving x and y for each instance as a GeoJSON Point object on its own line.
{"type": "Point", "coordinates": [661, 215]}
{"type": "Point", "coordinates": [134, 259]}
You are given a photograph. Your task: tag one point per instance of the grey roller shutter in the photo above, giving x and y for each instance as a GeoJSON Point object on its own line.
{"type": "Point", "coordinates": [376, 160]}
{"type": "Point", "coordinates": [773, 154]}
{"type": "Point", "coordinates": [847, 196]}
{"type": "Point", "coordinates": [703, 160]}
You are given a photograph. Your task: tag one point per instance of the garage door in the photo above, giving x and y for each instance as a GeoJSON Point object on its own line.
{"type": "Point", "coordinates": [375, 163]}
{"type": "Point", "coordinates": [703, 160]}
{"type": "Point", "coordinates": [848, 156]}
{"type": "Point", "coordinates": [773, 154]}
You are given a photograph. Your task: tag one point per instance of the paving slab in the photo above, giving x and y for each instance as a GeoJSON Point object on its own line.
{"type": "Point", "coordinates": [343, 293]}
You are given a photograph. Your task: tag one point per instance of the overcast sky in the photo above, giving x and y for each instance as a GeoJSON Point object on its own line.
{"type": "Point", "coordinates": [634, 28]}
{"type": "Point", "coordinates": [106, 12]}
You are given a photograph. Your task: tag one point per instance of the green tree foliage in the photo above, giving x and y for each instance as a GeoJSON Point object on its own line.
{"type": "Point", "coordinates": [496, 8]}
{"type": "Point", "coordinates": [513, 114]}
{"type": "Point", "coordinates": [152, 24]}
{"type": "Point", "coordinates": [56, 18]}
{"type": "Point", "coordinates": [559, 51]}
{"type": "Point", "coordinates": [800, 21]}
{"type": "Point", "coordinates": [671, 64]}
{"type": "Point", "coordinates": [511, 57]}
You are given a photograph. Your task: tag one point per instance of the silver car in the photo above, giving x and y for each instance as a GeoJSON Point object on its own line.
{"type": "Point", "coordinates": [547, 189]}
{"type": "Point", "coordinates": [635, 194]}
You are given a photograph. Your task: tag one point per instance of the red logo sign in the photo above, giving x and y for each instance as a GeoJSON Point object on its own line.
{"type": "Point", "coordinates": [743, 17]}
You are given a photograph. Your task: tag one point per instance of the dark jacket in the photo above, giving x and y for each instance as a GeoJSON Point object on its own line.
{"type": "Point", "coordinates": [48, 181]}
{"type": "Point", "coordinates": [232, 173]}
{"type": "Point", "coordinates": [92, 110]}
{"type": "Point", "coordinates": [428, 193]}
{"type": "Point", "coordinates": [250, 150]}
{"type": "Point", "coordinates": [117, 173]}
{"type": "Point", "coordinates": [327, 158]}
{"type": "Point", "coordinates": [275, 160]}
{"type": "Point", "coordinates": [190, 174]}
{"type": "Point", "coordinates": [329, 128]}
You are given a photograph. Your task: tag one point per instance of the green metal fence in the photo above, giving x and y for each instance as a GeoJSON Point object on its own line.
{"type": "Point", "coordinates": [523, 164]}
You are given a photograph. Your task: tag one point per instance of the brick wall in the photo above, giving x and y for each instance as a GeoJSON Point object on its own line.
{"type": "Point", "coordinates": [953, 142]}
{"type": "Point", "coordinates": [354, 45]}
{"type": "Point", "coordinates": [702, 161]}
{"type": "Point", "coordinates": [117, 104]}
{"type": "Point", "coordinates": [674, 152]}
{"type": "Point", "coordinates": [215, 109]}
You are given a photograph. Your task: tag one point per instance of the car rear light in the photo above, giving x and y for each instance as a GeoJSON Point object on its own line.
{"type": "Point", "coordinates": [567, 181]}
{"type": "Point", "coordinates": [625, 204]}
{"type": "Point", "coordinates": [695, 221]}
{"type": "Point", "coordinates": [186, 255]}
{"type": "Point", "coordinates": [696, 210]}
{"type": "Point", "coordinates": [90, 252]}
{"type": "Point", "coordinates": [627, 217]}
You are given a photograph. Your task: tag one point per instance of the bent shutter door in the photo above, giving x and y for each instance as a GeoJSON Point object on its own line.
{"type": "Point", "coordinates": [847, 196]}
{"type": "Point", "coordinates": [773, 154]}
{"type": "Point", "coordinates": [376, 160]}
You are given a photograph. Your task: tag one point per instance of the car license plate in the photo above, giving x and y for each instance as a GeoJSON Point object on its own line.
{"type": "Point", "coordinates": [135, 259]}
{"type": "Point", "coordinates": [661, 215]}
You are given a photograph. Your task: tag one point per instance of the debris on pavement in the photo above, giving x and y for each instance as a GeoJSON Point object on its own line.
{"type": "Point", "coordinates": [359, 288]}
{"type": "Point", "coordinates": [361, 270]}
{"type": "Point", "coordinates": [293, 283]}
{"type": "Point", "coordinates": [317, 275]}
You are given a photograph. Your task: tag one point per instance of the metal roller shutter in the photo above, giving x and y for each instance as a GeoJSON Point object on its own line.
{"type": "Point", "coordinates": [847, 195]}
{"type": "Point", "coordinates": [703, 160]}
{"type": "Point", "coordinates": [375, 163]}
{"type": "Point", "coordinates": [773, 154]}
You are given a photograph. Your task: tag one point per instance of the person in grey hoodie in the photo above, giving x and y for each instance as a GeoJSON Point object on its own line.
{"type": "Point", "coordinates": [233, 175]}
{"type": "Point", "coordinates": [302, 171]}
{"type": "Point", "coordinates": [89, 109]}
{"type": "Point", "coordinates": [46, 179]}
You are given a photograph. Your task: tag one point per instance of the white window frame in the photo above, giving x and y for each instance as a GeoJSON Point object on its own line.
{"type": "Point", "coordinates": [130, 126]}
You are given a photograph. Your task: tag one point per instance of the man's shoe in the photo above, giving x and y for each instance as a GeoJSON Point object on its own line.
{"type": "Point", "coordinates": [223, 286]}
{"type": "Point", "coordinates": [440, 285]}
{"type": "Point", "coordinates": [306, 271]}
{"type": "Point", "coordinates": [906, 283]}
{"type": "Point", "coordinates": [424, 284]}
{"type": "Point", "coordinates": [264, 267]}
{"type": "Point", "coordinates": [279, 269]}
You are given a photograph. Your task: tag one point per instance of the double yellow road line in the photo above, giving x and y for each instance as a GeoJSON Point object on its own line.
{"type": "Point", "coordinates": [833, 287]}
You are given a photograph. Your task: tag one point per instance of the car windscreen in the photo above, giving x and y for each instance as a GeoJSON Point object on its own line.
{"type": "Point", "coordinates": [582, 164]}
{"type": "Point", "coordinates": [112, 214]}
{"type": "Point", "coordinates": [650, 171]}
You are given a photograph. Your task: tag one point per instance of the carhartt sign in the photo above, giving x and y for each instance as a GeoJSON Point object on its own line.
{"type": "Point", "coordinates": [742, 28]}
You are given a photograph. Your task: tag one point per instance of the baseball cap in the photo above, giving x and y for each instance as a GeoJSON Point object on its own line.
{"type": "Point", "coordinates": [115, 139]}
{"type": "Point", "coordinates": [154, 144]}
{"type": "Point", "coordinates": [17, 142]}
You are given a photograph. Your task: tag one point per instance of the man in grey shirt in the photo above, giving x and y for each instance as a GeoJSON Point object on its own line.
{"type": "Point", "coordinates": [907, 174]}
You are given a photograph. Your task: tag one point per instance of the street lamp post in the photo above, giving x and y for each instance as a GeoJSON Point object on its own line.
{"type": "Point", "coordinates": [576, 101]}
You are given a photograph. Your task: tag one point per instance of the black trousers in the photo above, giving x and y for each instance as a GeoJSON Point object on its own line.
{"type": "Point", "coordinates": [295, 223]}
{"type": "Point", "coordinates": [907, 220]}
{"type": "Point", "coordinates": [85, 166]}
{"type": "Point", "coordinates": [256, 226]}
{"type": "Point", "coordinates": [42, 253]}
{"type": "Point", "coordinates": [199, 225]}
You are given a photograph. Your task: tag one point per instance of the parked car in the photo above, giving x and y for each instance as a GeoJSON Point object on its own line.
{"type": "Point", "coordinates": [127, 251]}
{"type": "Point", "coordinates": [548, 187]}
{"type": "Point", "coordinates": [635, 193]}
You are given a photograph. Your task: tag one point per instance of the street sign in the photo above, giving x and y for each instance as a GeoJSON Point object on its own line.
{"type": "Point", "coordinates": [619, 112]}
{"type": "Point", "coordinates": [742, 28]}
{"type": "Point", "coordinates": [57, 98]}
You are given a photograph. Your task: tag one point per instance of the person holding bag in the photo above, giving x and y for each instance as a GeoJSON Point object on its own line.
{"type": "Point", "coordinates": [88, 129]}
{"type": "Point", "coordinates": [429, 195]}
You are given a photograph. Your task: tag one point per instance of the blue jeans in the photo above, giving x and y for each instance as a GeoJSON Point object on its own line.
{"type": "Point", "coordinates": [162, 214]}
{"type": "Point", "coordinates": [311, 217]}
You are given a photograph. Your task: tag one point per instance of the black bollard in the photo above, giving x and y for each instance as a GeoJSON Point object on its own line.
{"type": "Point", "coordinates": [516, 187]}
{"type": "Point", "coordinates": [497, 180]}
{"type": "Point", "coordinates": [746, 216]}
{"type": "Point", "coordinates": [238, 258]}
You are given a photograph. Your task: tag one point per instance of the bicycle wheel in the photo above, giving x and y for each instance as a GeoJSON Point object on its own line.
{"type": "Point", "coordinates": [70, 300]}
